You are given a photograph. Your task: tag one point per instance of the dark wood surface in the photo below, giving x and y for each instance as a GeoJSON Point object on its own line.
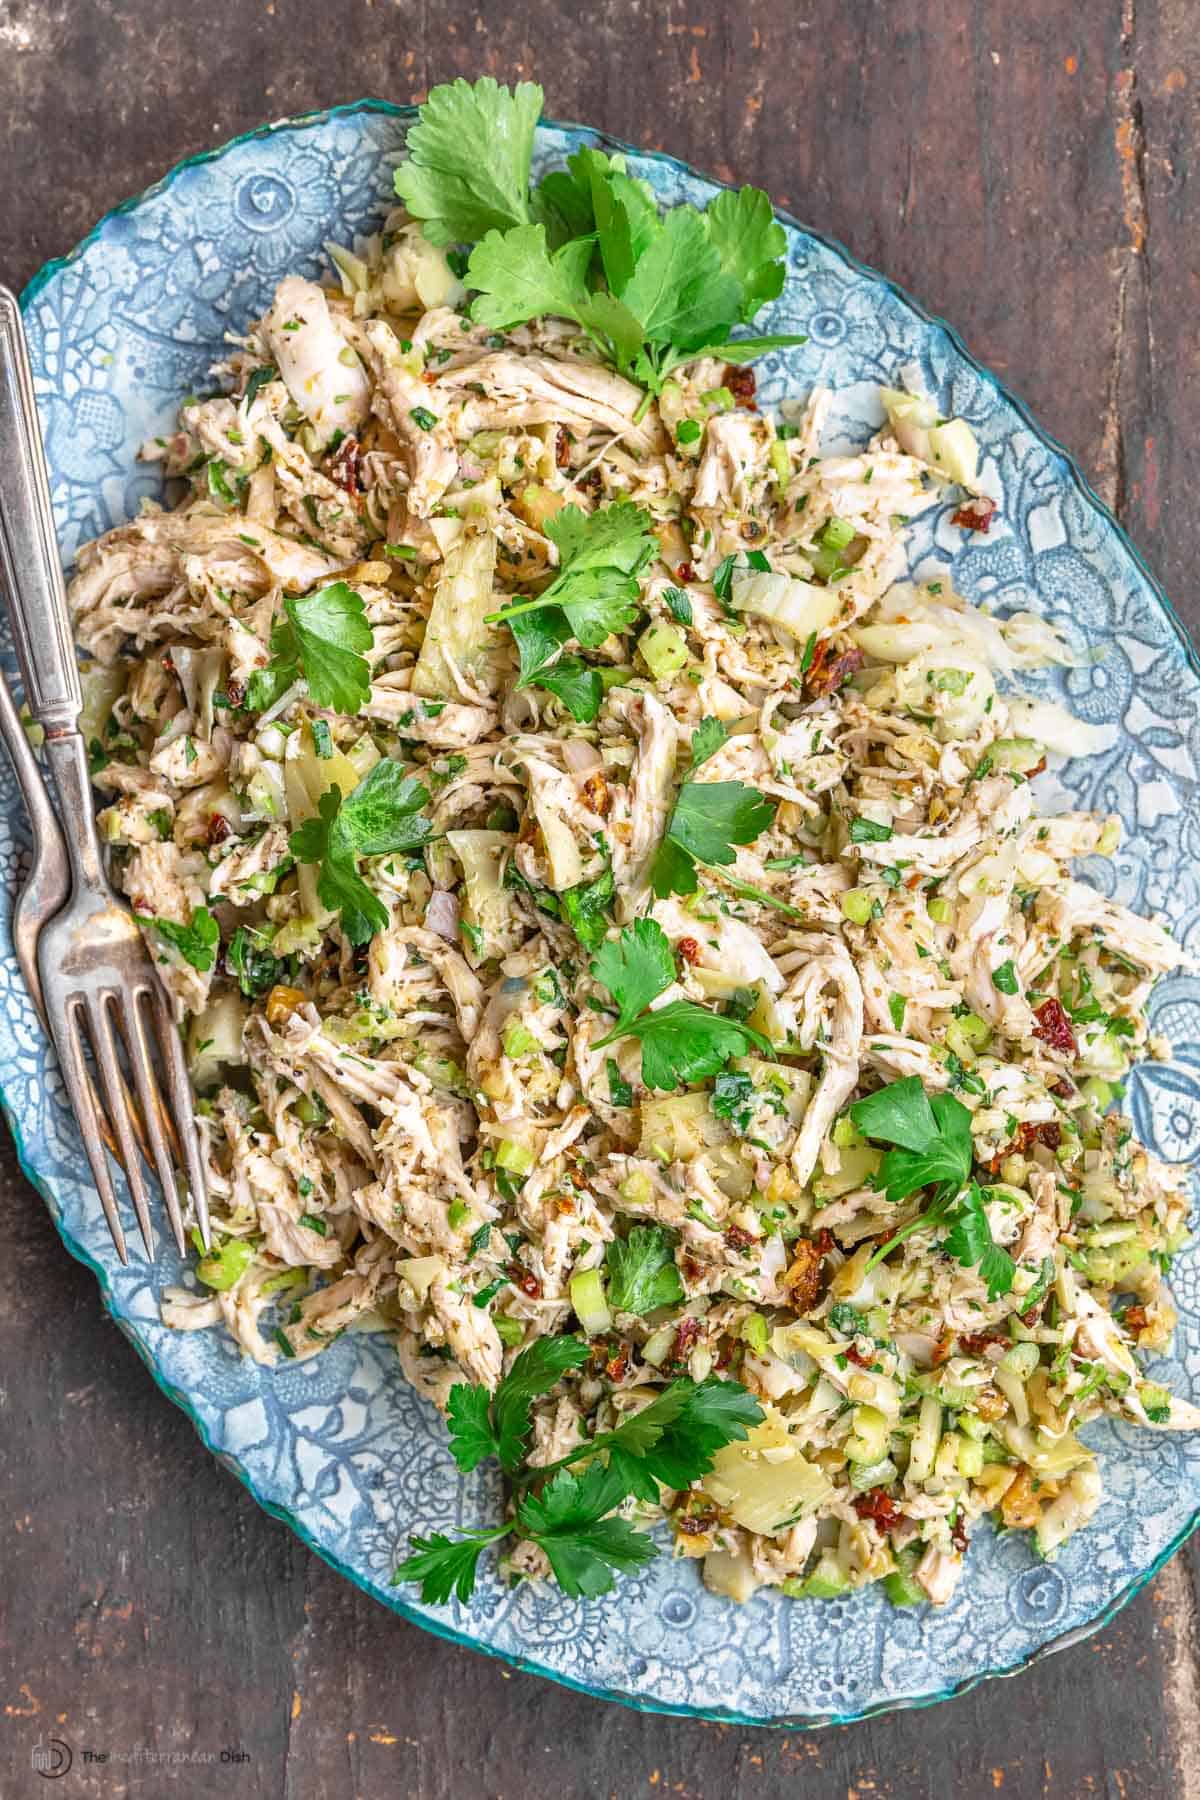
{"type": "Point", "coordinates": [1027, 170]}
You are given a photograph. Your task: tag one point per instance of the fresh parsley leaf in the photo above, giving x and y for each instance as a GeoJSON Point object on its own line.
{"type": "Point", "coordinates": [750, 244]}
{"type": "Point", "coordinates": [681, 1041]}
{"type": "Point", "coordinates": [468, 159]}
{"type": "Point", "coordinates": [601, 556]}
{"type": "Point", "coordinates": [897, 1007]}
{"type": "Point", "coordinates": [569, 1520]}
{"type": "Point", "coordinates": [380, 816]}
{"type": "Point", "coordinates": [446, 1566]}
{"type": "Point", "coordinates": [1005, 978]}
{"type": "Point", "coordinates": [678, 605]}
{"type": "Point", "coordinates": [620, 1092]}
{"type": "Point", "coordinates": [650, 291]}
{"type": "Point", "coordinates": [672, 1441]}
{"type": "Point", "coordinates": [196, 942]}
{"type": "Point", "coordinates": [534, 1372]}
{"type": "Point", "coordinates": [869, 831]}
{"type": "Point", "coordinates": [679, 291]}
{"type": "Point", "coordinates": [594, 594]}
{"type": "Point", "coordinates": [707, 739]}
{"type": "Point", "coordinates": [520, 278]}
{"type": "Point", "coordinates": [641, 1271]}
{"type": "Point", "coordinates": [899, 1113]}
{"type": "Point", "coordinates": [469, 1415]}
{"type": "Point", "coordinates": [250, 961]}
{"type": "Point", "coordinates": [323, 637]}
{"type": "Point", "coordinates": [675, 1439]}
{"type": "Point", "coordinates": [482, 1424]}
{"type": "Point", "coordinates": [733, 1099]}
{"type": "Point", "coordinates": [970, 1243]}
{"type": "Point", "coordinates": [586, 908]}
{"type": "Point", "coordinates": [932, 1135]}
{"type": "Point", "coordinates": [710, 817]}
{"type": "Point", "coordinates": [635, 968]}
{"type": "Point", "coordinates": [580, 689]}
{"type": "Point", "coordinates": [258, 380]}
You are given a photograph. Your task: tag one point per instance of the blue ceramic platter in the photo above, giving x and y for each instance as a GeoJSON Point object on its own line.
{"type": "Point", "coordinates": [339, 1447]}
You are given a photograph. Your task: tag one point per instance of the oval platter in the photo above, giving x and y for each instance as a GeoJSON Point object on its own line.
{"type": "Point", "coordinates": [339, 1447]}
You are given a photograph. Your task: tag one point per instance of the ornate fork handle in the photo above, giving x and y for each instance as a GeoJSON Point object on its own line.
{"type": "Point", "coordinates": [28, 545]}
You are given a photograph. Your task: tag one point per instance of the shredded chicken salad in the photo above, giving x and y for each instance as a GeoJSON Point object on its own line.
{"type": "Point", "coordinates": [621, 949]}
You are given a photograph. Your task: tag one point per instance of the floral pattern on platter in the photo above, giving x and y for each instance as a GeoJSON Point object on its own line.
{"type": "Point", "coordinates": [340, 1446]}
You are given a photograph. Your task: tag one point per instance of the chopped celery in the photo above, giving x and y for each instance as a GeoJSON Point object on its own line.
{"type": "Point", "coordinates": [516, 1157]}
{"type": "Point", "coordinates": [518, 1040]}
{"type": "Point", "coordinates": [590, 1303]}
{"type": "Point", "coordinates": [868, 1441]}
{"type": "Point", "coordinates": [664, 648]}
{"type": "Point", "coordinates": [226, 1263]}
{"type": "Point", "coordinates": [872, 1475]}
{"type": "Point", "coordinates": [755, 1332]}
{"type": "Point", "coordinates": [858, 905]}
{"type": "Point", "coordinates": [901, 1587]}
{"type": "Point", "coordinates": [954, 452]}
{"type": "Point", "coordinates": [826, 1581]}
{"type": "Point", "coordinates": [940, 911]}
{"type": "Point", "coordinates": [1018, 755]}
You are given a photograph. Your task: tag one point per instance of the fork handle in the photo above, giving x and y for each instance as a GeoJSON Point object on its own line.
{"type": "Point", "coordinates": [28, 544]}
{"type": "Point", "coordinates": [67, 757]}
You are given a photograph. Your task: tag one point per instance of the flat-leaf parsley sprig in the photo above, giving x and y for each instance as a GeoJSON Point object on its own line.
{"type": "Point", "coordinates": [381, 815]}
{"type": "Point", "coordinates": [593, 595]}
{"type": "Point", "coordinates": [708, 820]}
{"type": "Point", "coordinates": [681, 1041]}
{"type": "Point", "coordinates": [932, 1148]}
{"type": "Point", "coordinates": [324, 637]}
{"type": "Point", "coordinates": [570, 1514]}
{"type": "Point", "coordinates": [650, 290]}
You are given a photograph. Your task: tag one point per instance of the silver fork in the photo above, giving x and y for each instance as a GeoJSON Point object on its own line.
{"type": "Point", "coordinates": [99, 983]}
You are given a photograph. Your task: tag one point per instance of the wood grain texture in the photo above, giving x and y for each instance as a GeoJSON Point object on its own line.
{"type": "Point", "coordinates": [1027, 171]}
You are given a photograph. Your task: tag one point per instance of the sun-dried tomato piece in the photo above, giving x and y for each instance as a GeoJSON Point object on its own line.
{"type": "Point", "coordinates": [855, 1355]}
{"type": "Point", "coordinates": [235, 692]}
{"type": "Point", "coordinates": [977, 1342]}
{"type": "Point", "coordinates": [685, 572]}
{"type": "Point", "coordinates": [695, 1518]}
{"type": "Point", "coordinates": [737, 1237]}
{"type": "Point", "coordinates": [344, 468]}
{"type": "Point", "coordinates": [689, 949]}
{"type": "Point", "coordinates": [562, 449]}
{"type": "Point", "coordinates": [976, 514]}
{"type": "Point", "coordinates": [685, 1339]}
{"type": "Point", "coordinates": [831, 669]}
{"type": "Point", "coordinates": [526, 1280]}
{"type": "Point", "coordinates": [1135, 1318]}
{"type": "Point", "coordinates": [593, 791]}
{"type": "Point", "coordinates": [958, 1536]}
{"type": "Point", "coordinates": [878, 1506]}
{"type": "Point", "coordinates": [803, 1278]}
{"type": "Point", "coordinates": [741, 384]}
{"type": "Point", "coordinates": [218, 829]}
{"type": "Point", "coordinates": [617, 1365]}
{"type": "Point", "coordinates": [1054, 1028]}
{"type": "Point", "coordinates": [1049, 1133]}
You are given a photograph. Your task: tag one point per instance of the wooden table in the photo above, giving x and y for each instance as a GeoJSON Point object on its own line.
{"type": "Point", "coordinates": [1025, 169]}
